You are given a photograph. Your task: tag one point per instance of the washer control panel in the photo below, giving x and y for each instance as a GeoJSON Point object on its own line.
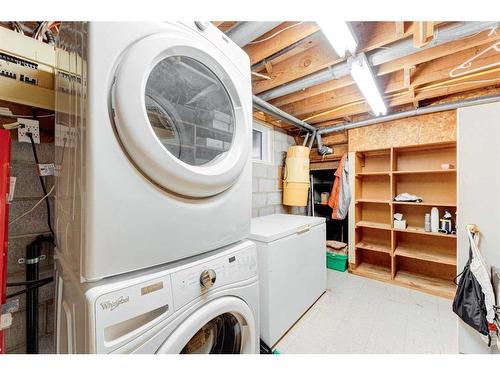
{"type": "Point", "coordinates": [125, 313]}
{"type": "Point", "coordinates": [193, 282]}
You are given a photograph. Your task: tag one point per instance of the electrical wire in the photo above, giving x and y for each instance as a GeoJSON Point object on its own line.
{"type": "Point", "coordinates": [32, 208]}
{"type": "Point", "coordinates": [17, 27]}
{"type": "Point", "coordinates": [42, 183]}
{"type": "Point", "coordinates": [493, 30]}
{"type": "Point", "coordinates": [31, 282]}
{"type": "Point", "coordinates": [30, 287]}
{"type": "Point", "coordinates": [54, 24]}
{"type": "Point", "coordinates": [276, 33]}
{"type": "Point", "coordinates": [263, 76]}
{"type": "Point", "coordinates": [41, 29]}
{"type": "Point", "coordinates": [460, 83]}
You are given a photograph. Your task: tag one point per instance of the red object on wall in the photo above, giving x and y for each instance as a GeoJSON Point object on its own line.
{"type": "Point", "coordinates": [4, 218]}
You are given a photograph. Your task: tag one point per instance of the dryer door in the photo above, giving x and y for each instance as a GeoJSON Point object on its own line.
{"type": "Point", "coordinates": [178, 110]}
{"type": "Point", "coordinates": [223, 326]}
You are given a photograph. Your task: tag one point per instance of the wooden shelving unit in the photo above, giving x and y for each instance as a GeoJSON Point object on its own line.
{"type": "Point", "coordinates": [410, 257]}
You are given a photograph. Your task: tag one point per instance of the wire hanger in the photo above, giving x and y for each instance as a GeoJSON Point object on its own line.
{"type": "Point", "coordinates": [463, 68]}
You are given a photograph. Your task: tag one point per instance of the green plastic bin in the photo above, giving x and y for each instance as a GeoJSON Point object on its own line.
{"type": "Point", "coordinates": [337, 262]}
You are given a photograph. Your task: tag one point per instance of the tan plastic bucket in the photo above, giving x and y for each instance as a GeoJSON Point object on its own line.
{"type": "Point", "coordinates": [295, 193]}
{"type": "Point", "coordinates": [297, 164]}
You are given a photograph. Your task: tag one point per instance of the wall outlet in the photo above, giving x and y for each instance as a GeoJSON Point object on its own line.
{"type": "Point", "coordinates": [28, 125]}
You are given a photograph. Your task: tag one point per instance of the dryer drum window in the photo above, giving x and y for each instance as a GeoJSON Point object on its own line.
{"type": "Point", "coordinates": [221, 335]}
{"type": "Point", "coordinates": [190, 110]}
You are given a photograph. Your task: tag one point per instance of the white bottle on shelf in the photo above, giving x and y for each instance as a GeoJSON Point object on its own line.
{"type": "Point", "coordinates": [434, 220]}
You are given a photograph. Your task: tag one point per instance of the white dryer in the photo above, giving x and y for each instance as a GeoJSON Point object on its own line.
{"type": "Point", "coordinates": [207, 305]}
{"type": "Point", "coordinates": [153, 132]}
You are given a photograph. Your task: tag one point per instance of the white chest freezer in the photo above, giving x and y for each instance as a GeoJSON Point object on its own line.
{"type": "Point", "coordinates": [292, 269]}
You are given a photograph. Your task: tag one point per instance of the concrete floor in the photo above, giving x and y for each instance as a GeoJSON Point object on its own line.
{"type": "Point", "coordinates": [359, 315]}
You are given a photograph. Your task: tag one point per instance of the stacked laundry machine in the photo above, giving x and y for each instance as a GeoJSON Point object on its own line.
{"type": "Point", "coordinates": [153, 190]}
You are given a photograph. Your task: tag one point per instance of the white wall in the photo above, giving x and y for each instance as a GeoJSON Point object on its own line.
{"type": "Point", "coordinates": [478, 159]}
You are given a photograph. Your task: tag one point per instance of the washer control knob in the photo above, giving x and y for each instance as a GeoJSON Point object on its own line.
{"type": "Point", "coordinates": [207, 278]}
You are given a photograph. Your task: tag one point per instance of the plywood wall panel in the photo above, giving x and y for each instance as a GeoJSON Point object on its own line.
{"type": "Point", "coordinates": [431, 128]}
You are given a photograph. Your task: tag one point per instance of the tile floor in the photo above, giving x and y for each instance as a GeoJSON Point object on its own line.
{"type": "Point", "coordinates": [359, 315]}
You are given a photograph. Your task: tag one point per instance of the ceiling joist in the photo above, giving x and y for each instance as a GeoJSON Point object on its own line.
{"type": "Point", "coordinates": [290, 35]}
{"type": "Point", "coordinates": [431, 71]}
{"type": "Point", "coordinates": [294, 50]}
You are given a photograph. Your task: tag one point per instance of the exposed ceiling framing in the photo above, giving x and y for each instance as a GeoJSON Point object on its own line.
{"type": "Point", "coordinates": [294, 50]}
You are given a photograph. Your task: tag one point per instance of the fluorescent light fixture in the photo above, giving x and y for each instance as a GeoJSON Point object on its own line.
{"type": "Point", "coordinates": [340, 36]}
{"type": "Point", "coordinates": [363, 76]}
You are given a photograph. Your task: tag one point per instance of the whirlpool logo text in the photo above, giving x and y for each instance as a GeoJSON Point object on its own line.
{"type": "Point", "coordinates": [111, 305]}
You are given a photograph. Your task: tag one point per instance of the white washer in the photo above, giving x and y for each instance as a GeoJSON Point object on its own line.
{"type": "Point", "coordinates": [164, 310]}
{"type": "Point", "coordinates": [153, 132]}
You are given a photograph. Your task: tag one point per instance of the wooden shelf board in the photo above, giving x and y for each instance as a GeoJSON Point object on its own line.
{"type": "Point", "coordinates": [372, 271]}
{"type": "Point", "coordinates": [426, 204]}
{"type": "Point", "coordinates": [374, 247]}
{"type": "Point", "coordinates": [372, 224]}
{"type": "Point", "coordinates": [431, 285]}
{"type": "Point", "coordinates": [361, 174]}
{"type": "Point", "coordinates": [430, 255]}
{"type": "Point", "coordinates": [377, 152]}
{"type": "Point", "coordinates": [426, 171]}
{"type": "Point", "coordinates": [426, 147]}
{"type": "Point", "coordinates": [368, 200]}
{"type": "Point", "coordinates": [419, 230]}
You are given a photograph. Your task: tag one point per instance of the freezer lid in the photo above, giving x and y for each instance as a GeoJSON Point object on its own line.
{"type": "Point", "coordinates": [273, 227]}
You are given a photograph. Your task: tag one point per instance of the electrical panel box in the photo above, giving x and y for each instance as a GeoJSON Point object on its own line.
{"type": "Point", "coordinates": [26, 70]}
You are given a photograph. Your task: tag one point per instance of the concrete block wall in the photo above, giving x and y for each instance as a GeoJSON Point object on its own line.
{"type": "Point", "coordinates": [267, 196]}
{"type": "Point", "coordinates": [27, 192]}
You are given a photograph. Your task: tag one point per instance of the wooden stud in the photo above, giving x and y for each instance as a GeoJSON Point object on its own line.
{"type": "Point", "coordinates": [269, 67]}
{"type": "Point", "coordinates": [373, 35]}
{"type": "Point", "coordinates": [400, 29]}
{"type": "Point", "coordinates": [422, 33]}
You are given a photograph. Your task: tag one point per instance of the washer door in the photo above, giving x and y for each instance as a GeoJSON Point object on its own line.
{"type": "Point", "coordinates": [178, 113]}
{"type": "Point", "coordinates": [223, 326]}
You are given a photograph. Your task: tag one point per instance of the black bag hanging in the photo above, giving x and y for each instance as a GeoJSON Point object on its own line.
{"type": "Point", "coordinates": [469, 300]}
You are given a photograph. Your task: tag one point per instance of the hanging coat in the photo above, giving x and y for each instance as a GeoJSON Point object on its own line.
{"type": "Point", "coordinates": [340, 197]}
